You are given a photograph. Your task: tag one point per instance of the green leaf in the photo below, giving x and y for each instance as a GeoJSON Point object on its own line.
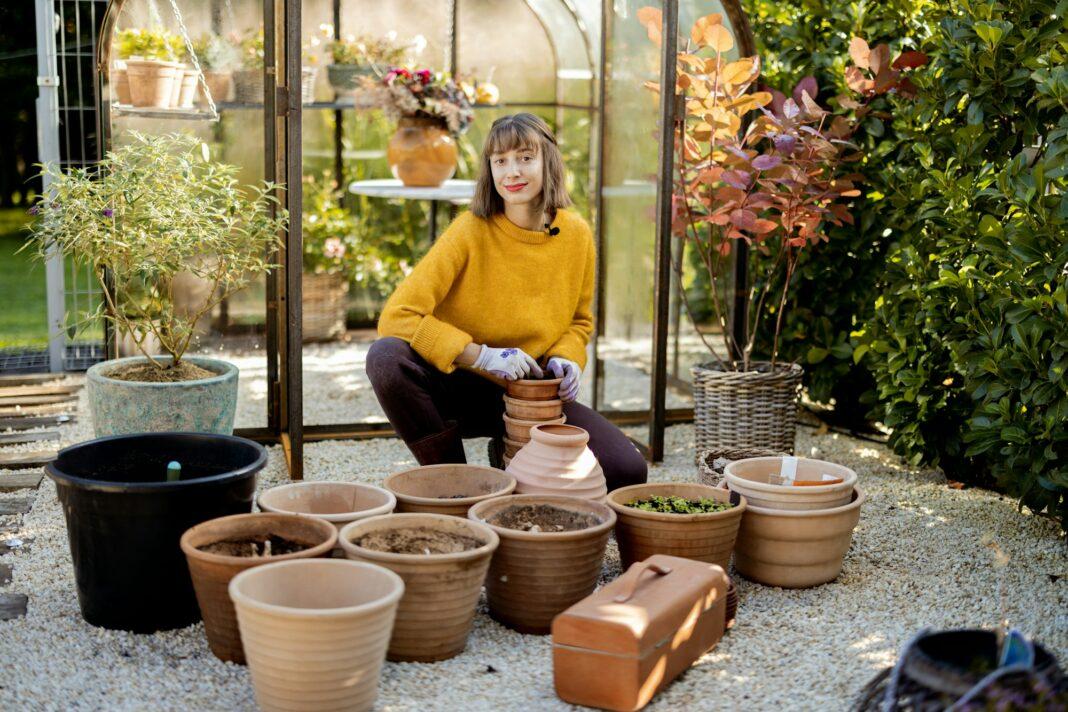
{"type": "Point", "coordinates": [989, 226]}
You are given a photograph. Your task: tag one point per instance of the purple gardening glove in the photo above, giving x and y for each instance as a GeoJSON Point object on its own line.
{"type": "Point", "coordinates": [509, 364]}
{"type": "Point", "coordinates": [570, 372]}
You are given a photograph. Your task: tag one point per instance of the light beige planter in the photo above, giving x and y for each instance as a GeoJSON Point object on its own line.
{"type": "Point", "coordinates": [315, 631]}
{"type": "Point", "coordinates": [749, 478]}
{"type": "Point", "coordinates": [795, 549]}
{"type": "Point", "coordinates": [336, 502]}
{"type": "Point", "coordinates": [706, 537]}
{"type": "Point", "coordinates": [558, 461]}
{"type": "Point", "coordinates": [440, 590]}
{"type": "Point", "coordinates": [151, 82]}
{"type": "Point", "coordinates": [121, 82]}
{"type": "Point", "coordinates": [519, 430]}
{"type": "Point", "coordinates": [447, 489]}
{"type": "Point", "coordinates": [188, 88]}
{"type": "Point", "coordinates": [176, 85]}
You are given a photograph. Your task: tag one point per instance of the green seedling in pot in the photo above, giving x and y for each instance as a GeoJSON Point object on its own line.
{"type": "Point", "coordinates": [680, 505]}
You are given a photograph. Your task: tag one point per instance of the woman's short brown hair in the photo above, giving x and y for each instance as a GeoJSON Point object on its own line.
{"type": "Point", "coordinates": [510, 133]}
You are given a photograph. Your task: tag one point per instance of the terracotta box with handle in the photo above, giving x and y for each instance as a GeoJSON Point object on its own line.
{"type": "Point", "coordinates": [619, 646]}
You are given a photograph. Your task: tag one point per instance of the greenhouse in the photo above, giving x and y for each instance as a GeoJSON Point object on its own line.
{"type": "Point", "coordinates": [433, 354]}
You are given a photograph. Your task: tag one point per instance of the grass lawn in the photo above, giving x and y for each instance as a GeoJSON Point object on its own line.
{"type": "Point", "coordinates": [24, 317]}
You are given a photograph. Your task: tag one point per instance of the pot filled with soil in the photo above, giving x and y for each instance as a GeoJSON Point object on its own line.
{"type": "Point", "coordinates": [534, 389]}
{"type": "Point", "coordinates": [219, 549]}
{"type": "Point", "coordinates": [447, 489]}
{"type": "Point", "coordinates": [540, 410]}
{"type": "Point", "coordinates": [550, 557]}
{"type": "Point", "coordinates": [336, 502]}
{"type": "Point", "coordinates": [127, 501]}
{"type": "Point", "coordinates": [315, 631]}
{"type": "Point", "coordinates": [130, 395]}
{"type": "Point", "coordinates": [518, 430]}
{"type": "Point", "coordinates": [558, 461]}
{"type": "Point", "coordinates": [791, 482]}
{"type": "Point", "coordinates": [443, 561]}
{"type": "Point", "coordinates": [678, 519]}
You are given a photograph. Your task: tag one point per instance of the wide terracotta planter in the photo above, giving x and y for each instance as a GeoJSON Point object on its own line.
{"type": "Point", "coordinates": [519, 430]}
{"type": "Point", "coordinates": [533, 389]}
{"type": "Point", "coordinates": [707, 537]}
{"type": "Point", "coordinates": [151, 82]}
{"type": "Point", "coordinates": [558, 461]}
{"type": "Point", "coordinates": [541, 410]}
{"type": "Point", "coordinates": [441, 591]}
{"type": "Point", "coordinates": [220, 84]}
{"type": "Point", "coordinates": [449, 489]}
{"type": "Point", "coordinates": [212, 572]}
{"type": "Point", "coordinates": [795, 549]}
{"type": "Point", "coordinates": [422, 153]}
{"type": "Point", "coordinates": [749, 478]}
{"type": "Point", "coordinates": [536, 575]}
{"type": "Point", "coordinates": [315, 631]}
{"type": "Point", "coordinates": [336, 502]}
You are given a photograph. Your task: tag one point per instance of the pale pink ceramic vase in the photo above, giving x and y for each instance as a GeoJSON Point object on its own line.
{"type": "Point", "coordinates": [557, 461]}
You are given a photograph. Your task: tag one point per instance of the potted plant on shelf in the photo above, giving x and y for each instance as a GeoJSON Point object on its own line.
{"type": "Point", "coordinates": [332, 254]}
{"type": "Point", "coordinates": [147, 213]}
{"type": "Point", "coordinates": [356, 57]}
{"type": "Point", "coordinates": [217, 57]}
{"type": "Point", "coordinates": [431, 111]}
{"type": "Point", "coordinates": [145, 72]}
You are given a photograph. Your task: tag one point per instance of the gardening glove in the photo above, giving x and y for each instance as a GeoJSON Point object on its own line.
{"type": "Point", "coordinates": [570, 372]}
{"type": "Point", "coordinates": [509, 364]}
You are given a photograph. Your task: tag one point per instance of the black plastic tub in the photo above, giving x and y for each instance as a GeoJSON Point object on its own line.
{"type": "Point", "coordinates": [124, 520]}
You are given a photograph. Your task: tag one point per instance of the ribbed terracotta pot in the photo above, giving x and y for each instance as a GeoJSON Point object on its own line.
{"type": "Point", "coordinates": [316, 631]}
{"type": "Point", "coordinates": [705, 537]}
{"type": "Point", "coordinates": [449, 489]}
{"type": "Point", "coordinates": [151, 82]}
{"type": "Point", "coordinates": [557, 461]}
{"type": "Point", "coordinates": [536, 575]}
{"type": "Point", "coordinates": [533, 389]}
{"type": "Point", "coordinates": [519, 430]}
{"type": "Point", "coordinates": [441, 591]}
{"type": "Point", "coordinates": [336, 502]}
{"type": "Point", "coordinates": [795, 549]}
{"type": "Point", "coordinates": [540, 410]}
{"type": "Point", "coordinates": [749, 478]}
{"type": "Point", "coordinates": [511, 447]}
{"type": "Point", "coordinates": [212, 572]}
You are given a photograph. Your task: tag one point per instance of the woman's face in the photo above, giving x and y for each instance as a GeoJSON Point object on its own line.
{"type": "Point", "coordinates": [517, 175]}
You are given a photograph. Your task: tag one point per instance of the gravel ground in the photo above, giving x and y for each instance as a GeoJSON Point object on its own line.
{"type": "Point", "coordinates": [917, 560]}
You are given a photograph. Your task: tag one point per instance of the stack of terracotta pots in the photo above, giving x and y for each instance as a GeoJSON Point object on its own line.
{"type": "Point", "coordinates": [799, 521]}
{"type": "Point", "coordinates": [153, 83]}
{"type": "Point", "coordinates": [528, 403]}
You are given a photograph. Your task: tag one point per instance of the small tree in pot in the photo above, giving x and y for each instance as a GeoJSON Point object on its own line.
{"type": "Point", "coordinates": [149, 212]}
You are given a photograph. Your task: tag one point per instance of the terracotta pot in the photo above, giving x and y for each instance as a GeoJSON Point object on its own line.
{"type": "Point", "coordinates": [422, 152]}
{"type": "Point", "coordinates": [440, 590]}
{"type": "Point", "coordinates": [536, 575]}
{"type": "Point", "coordinates": [535, 389]}
{"type": "Point", "coordinates": [121, 82]}
{"type": "Point", "coordinates": [540, 410]}
{"type": "Point", "coordinates": [511, 447]}
{"type": "Point", "coordinates": [795, 549]}
{"type": "Point", "coordinates": [519, 430]}
{"type": "Point", "coordinates": [336, 502]}
{"type": "Point", "coordinates": [749, 478]}
{"type": "Point", "coordinates": [212, 572]}
{"type": "Point", "coordinates": [705, 537]}
{"type": "Point", "coordinates": [220, 84]}
{"type": "Point", "coordinates": [151, 82]}
{"type": "Point", "coordinates": [557, 461]}
{"type": "Point", "coordinates": [316, 631]}
{"type": "Point", "coordinates": [188, 88]}
{"type": "Point", "coordinates": [447, 489]}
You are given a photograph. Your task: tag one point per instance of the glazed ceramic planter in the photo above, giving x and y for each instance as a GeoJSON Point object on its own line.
{"type": "Point", "coordinates": [336, 502]}
{"type": "Point", "coordinates": [212, 573]}
{"type": "Point", "coordinates": [707, 537]}
{"type": "Point", "coordinates": [422, 153]}
{"type": "Point", "coordinates": [557, 461]}
{"type": "Point", "coordinates": [541, 410]}
{"type": "Point", "coordinates": [151, 82]}
{"type": "Point", "coordinates": [447, 489]}
{"type": "Point", "coordinates": [534, 389]}
{"type": "Point", "coordinates": [441, 591]}
{"type": "Point", "coordinates": [315, 631]}
{"type": "Point", "coordinates": [124, 520]}
{"type": "Point", "coordinates": [795, 549]}
{"type": "Point", "coordinates": [749, 478]}
{"type": "Point", "coordinates": [519, 430]}
{"type": "Point", "coordinates": [535, 575]}
{"type": "Point", "coordinates": [204, 406]}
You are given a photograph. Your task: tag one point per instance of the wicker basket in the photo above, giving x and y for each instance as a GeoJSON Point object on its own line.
{"type": "Point", "coordinates": [754, 409]}
{"type": "Point", "coordinates": [324, 304]}
{"type": "Point", "coordinates": [711, 463]}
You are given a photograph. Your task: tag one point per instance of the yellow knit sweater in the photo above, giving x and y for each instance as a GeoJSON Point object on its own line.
{"type": "Point", "coordinates": [492, 282]}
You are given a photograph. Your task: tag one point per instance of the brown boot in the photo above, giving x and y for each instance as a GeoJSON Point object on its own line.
{"type": "Point", "coordinates": [440, 448]}
{"type": "Point", "coordinates": [495, 452]}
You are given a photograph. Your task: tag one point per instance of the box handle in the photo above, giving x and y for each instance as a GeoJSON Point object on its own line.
{"type": "Point", "coordinates": [636, 579]}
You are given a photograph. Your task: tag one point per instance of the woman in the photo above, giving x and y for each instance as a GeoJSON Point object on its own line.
{"type": "Point", "coordinates": [508, 285]}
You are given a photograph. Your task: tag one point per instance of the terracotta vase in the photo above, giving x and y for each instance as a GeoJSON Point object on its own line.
{"type": "Point", "coordinates": [533, 410]}
{"type": "Point", "coordinates": [316, 631]}
{"type": "Point", "coordinates": [750, 478]}
{"type": "Point", "coordinates": [557, 461]}
{"type": "Point", "coordinates": [441, 591]}
{"type": "Point", "coordinates": [519, 430]}
{"type": "Point", "coordinates": [422, 153]}
{"type": "Point", "coordinates": [795, 548]}
{"type": "Point", "coordinates": [151, 82]}
{"type": "Point", "coordinates": [212, 572]}
{"type": "Point", "coordinates": [534, 389]}
{"type": "Point", "coordinates": [336, 502]}
{"type": "Point", "coordinates": [535, 575]}
{"type": "Point", "coordinates": [447, 489]}
{"type": "Point", "coordinates": [707, 537]}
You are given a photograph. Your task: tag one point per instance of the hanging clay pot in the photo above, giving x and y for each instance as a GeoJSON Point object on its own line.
{"type": "Point", "coordinates": [151, 82]}
{"type": "Point", "coordinates": [557, 461]}
{"type": "Point", "coordinates": [422, 152]}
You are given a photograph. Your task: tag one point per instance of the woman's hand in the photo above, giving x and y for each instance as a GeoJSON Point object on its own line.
{"type": "Point", "coordinates": [509, 363]}
{"type": "Point", "coordinates": [570, 372]}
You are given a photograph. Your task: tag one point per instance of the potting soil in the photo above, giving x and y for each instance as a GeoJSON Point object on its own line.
{"type": "Point", "coordinates": [417, 540]}
{"type": "Point", "coordinates": [255, 547]}
{"type": "Point", "coordinates": [144, 372]}
{"type": "Point", "coordinates": [542, 518]}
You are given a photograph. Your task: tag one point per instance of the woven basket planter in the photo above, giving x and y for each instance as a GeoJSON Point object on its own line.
{"type": "Point", "coordinates": [754, 409]}
{"type": "Point", "coordinates": [711, 463]}
{"type": "Point", "coordinates": [324, 303]}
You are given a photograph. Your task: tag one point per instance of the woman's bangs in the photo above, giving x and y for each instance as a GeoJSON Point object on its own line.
{"type": "Point", "coordinates": [511, 136]}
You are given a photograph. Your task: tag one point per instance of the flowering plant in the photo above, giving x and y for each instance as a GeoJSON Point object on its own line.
{"type": "Point", "coordinates": [404, 93]}
{"type": "Point", "coordinates": [157, 43]}
{"type": "Point", "coordinates": [332, 242]}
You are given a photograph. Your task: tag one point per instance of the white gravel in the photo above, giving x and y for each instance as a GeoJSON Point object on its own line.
{"type": "Point", "coordinates": [917, 560]}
